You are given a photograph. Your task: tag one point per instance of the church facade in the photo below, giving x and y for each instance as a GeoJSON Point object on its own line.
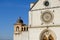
{"type": "Point", "coordinates": [43, 22]}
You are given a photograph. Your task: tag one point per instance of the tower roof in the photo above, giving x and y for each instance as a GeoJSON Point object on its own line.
{"type": "Point", "coordinates": [19, 20]}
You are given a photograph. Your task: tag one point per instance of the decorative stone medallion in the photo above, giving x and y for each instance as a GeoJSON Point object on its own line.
{"type": "Point", "coordinates": [47, 16]}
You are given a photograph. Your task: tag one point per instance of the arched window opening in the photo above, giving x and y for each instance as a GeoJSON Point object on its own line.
{"type": "Point", "coordinates": [50, 37]}
{"type": "Point", "coordinates": [47, 35]}
{"type": "Point", "coordinates": [23, 28]}
{"type": "Point", "coordinates": [17, 28]}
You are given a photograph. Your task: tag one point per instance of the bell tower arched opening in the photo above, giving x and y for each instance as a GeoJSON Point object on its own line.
{"type": "Point", "coordinates": [17, 28]}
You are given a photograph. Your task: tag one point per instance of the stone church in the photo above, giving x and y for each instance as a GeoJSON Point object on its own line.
{"type": "Point", "coordinates": [43, 22]}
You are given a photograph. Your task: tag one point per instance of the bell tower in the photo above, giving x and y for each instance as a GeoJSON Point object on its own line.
{"type": "Point", "coordinates": [20, 30]}
{"type": "Point", "coordinates": [18, 26]}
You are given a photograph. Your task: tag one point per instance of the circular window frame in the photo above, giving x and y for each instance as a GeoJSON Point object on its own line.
{"type": "Point", "coordinates": [42, 18]}
{"type": "Point", "coordinates": [46, 3]}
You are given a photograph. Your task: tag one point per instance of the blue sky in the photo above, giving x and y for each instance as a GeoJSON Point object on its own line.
{"type": "Point", "coordinates": [10, 10]}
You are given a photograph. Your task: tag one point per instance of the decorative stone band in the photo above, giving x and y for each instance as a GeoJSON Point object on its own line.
{"type": "Point", "coordinates": [45, 8]}
{"type": "Point", "coordinates": [44, 26]}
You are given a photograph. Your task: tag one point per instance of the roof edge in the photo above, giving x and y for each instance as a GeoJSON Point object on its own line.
{"type": "Point", "coordinates": [34, 4]}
